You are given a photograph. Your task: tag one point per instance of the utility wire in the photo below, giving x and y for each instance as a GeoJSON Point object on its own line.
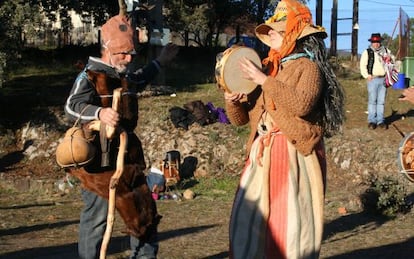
{"type": "Point", "coordinates": [389, 4]}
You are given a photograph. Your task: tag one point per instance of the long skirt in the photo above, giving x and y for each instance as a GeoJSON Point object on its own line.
{"type": "Point", "coordinates": [278, 207]}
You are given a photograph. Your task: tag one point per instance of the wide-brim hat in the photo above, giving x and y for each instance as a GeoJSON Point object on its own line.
{"type": "Point", "coordinates": [117, 35]}
{"type": "Point", "coordinates": [376, 37]}
{"type": "Point", "coordinates": [263, 29]}
{"type": "Point", "coordinates": [278, 23]}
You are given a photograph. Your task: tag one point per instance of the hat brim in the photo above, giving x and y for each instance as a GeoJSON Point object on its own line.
{"type": "Point", "coordinates": [263, 29]}
{"type": "Point", "coordinates": [373, 41]}
{"type": "Point", "coordinates": [312, 29]}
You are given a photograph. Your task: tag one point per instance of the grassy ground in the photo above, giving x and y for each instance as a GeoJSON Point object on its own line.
{"type": "Point", "coordinates": [38, 221]}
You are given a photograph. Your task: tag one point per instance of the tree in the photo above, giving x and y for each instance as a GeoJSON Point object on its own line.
{"type": "Point", "coordinates": [205, 20]}
{"type": "Point", "coordinates": [394, 43]}
{"type": "Point", "coordinates": [18, 20]}
{"type": "Point", "coordinates": [411, 46]}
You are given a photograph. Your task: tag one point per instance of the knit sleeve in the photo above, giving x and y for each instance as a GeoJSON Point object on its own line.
{"type": "Point", "coordinates": [237, 113]}
{"type": "Point", "coordinates": [296, 88]}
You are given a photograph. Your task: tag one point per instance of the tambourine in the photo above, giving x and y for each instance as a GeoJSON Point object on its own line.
{"type": "Point", "coordinates": [406, 156]}
{"type": "Point", "coordinates": [228, 73]}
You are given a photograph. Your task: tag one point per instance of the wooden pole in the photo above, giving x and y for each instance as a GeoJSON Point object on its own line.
{"type": "Point", "coordinates": [354, 56]}
{"type": "Point", "coordinates": [319, 10]}
{"type": "Point", "coordinates": [110, 219]}
{"type": "Point", "coordinates": [123, 142]}
{"type": "Point", "coordinates": [334, 24]}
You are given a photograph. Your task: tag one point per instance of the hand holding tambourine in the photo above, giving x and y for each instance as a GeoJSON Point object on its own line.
{"type": "Point", "coordinates": [233, 97]}
{"type": "Point", "coordinates": [251, 72]}
{"type": "Point", "coordinates": [229, 76]}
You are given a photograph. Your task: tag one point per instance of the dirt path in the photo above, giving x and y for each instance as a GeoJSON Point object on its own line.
{"type": "Point", "coordinates": [37, 227]}
{"type": "Point", "coordinates": [45, 226]}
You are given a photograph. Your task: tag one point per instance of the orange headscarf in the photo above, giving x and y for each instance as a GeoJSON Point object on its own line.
{"type": "Point", "coordinates": [298, 16]}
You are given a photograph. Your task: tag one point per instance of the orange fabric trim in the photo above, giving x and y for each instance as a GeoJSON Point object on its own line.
{"type": "Point", "coordinates": [297, 18]}
{"type": "Point", "coordinates": [265, 142]}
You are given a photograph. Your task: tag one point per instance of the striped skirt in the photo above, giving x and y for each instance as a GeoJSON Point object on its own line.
{"type": "Point", "coordinates": [278, 207]}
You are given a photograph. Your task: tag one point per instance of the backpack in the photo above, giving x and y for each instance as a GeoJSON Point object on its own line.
{"type": "Point", "coordinates": [201, 113]}
{"type": "Point", "coordinates": [181, 118]}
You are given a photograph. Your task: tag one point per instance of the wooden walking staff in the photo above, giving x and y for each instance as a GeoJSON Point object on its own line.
{"type": "Point", "coordinates": [110, 219]}
{"type": "Point", "coordinates": [123, 143]}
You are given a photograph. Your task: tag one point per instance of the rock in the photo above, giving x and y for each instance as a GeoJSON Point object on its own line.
{"type": "Point", "coordinates": [342, 210]}
{"type": "Point", "coordinates": [199, 173]}
{"type": "Point", "coordinates": [188, 194]}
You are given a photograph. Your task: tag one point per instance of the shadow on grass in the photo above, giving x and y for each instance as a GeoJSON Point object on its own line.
{"type": "Point", "coordinates": [67, 251]}
{"type": "Point", "coordinates": [371, 217]}
{"type": "Point", "coordinates": [116, 245]}
{"type": "Point", "coordinates": [25, 206]}
{"type": "Point", "coordinates": [22, 230]}
{"type": "Point", "coordinates": [352, 223]}
{"type": "Point", "coordinates": [183, 231]}
{"type": "Point", "coordinates": [364, 222]}
{"type": "Point", "coordinates": [402, 249]}
{"type": "Point", "coordinates": [13, 157]}
{"type": "Point", "coordinates": [217, 256]}
{"type": "Point", "coordinates": [395, 116]}
{"type": "Point", "coordinates": [30, 98]}
{"type": "Point", "coordinates": [10, 159]}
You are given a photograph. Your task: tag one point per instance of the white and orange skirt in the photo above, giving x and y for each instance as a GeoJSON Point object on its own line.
{"type": "Point", "coordinates": [278, 207]}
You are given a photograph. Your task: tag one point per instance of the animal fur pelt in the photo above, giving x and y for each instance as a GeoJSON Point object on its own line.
{"type": "Point", "coordinates": [133, 197]}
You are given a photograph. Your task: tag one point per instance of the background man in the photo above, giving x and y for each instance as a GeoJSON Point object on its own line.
{"type": "Point", "coordinates": [372, 68]}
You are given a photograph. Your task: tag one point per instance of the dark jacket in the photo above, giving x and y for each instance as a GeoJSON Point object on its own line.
{"type": "Point", "coordinates": [84, 93]}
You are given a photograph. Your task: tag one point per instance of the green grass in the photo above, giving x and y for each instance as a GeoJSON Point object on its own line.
{"type": "Point", "coordinates": [221, 188]}
{"type": "Point", "coordinates": [30, 71]}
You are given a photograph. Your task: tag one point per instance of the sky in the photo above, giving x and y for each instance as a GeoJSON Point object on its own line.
{"type": "Point", "coordinates": [374, 16]}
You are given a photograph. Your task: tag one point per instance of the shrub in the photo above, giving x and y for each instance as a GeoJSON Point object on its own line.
{"type": "Point", "coordinates": [386, 196]}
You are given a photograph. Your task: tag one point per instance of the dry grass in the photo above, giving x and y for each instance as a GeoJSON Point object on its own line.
{"type": "Point", "coordinates": [39, 222]}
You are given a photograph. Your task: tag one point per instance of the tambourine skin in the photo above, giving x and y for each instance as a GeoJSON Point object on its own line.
{"type": "Point", "coordinates": [228, 73]}
{"type": "Point", "coordinates": [405, 158]}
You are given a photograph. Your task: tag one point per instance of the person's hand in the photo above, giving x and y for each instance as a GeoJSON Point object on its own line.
{"type": "Point", "coordinates": [407, 95]}
{"type": "Point", "coordinates": [109, 116]}
{"type": "Point", "coordinates": [167, 54]}
{"type": "Point", "coordinates": [251, 71]}
{"type": "Point", "coordinates": [370, 77]}
{"type": "Point", "coordinates": [233, 97]}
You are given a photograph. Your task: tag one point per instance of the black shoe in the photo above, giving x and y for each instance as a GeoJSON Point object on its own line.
{"type": "Point", "coordinates": [383, 126]}
{"type": "Point", "coordinates": [372, 125]}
